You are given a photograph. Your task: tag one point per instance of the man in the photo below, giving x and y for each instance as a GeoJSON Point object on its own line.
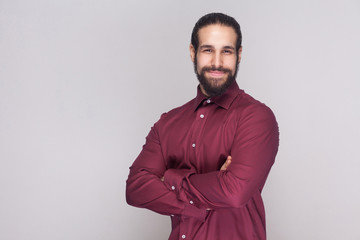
{"type": "Point", "coordinates": [205, 163]}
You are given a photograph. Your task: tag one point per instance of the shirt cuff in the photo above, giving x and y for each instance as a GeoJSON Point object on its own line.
{"type": "Point", "coordinates": [173, 178]}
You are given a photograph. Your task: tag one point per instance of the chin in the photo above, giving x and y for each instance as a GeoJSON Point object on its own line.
{"type": "Point", "coordinates": [217, 82]}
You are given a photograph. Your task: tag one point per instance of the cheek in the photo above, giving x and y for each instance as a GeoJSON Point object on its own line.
{"type": "Point", "coordinates": [203, 60]}
{"type": "Point", "coordinates": [200, 64]}
{"type": "Point", "coordinates": [231, 64]}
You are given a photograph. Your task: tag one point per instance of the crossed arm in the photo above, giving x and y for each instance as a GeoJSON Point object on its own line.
{"type": "Point", "coordinates": [145, 189]}
{"type": "Point", "coordinates": [223, 167]}
{"type": "Point", "coordinates": [169, 191]}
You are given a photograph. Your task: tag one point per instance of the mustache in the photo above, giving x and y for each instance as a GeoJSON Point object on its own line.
{"type": "Point", "coordinates": [221, 69]}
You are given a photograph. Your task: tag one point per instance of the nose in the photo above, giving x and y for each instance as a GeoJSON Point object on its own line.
{"type": "Point", "coordinates": [217, 60]}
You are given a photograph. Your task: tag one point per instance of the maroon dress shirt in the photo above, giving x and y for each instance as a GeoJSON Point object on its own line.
{"type": "Point", "coordinates": [187, 147]}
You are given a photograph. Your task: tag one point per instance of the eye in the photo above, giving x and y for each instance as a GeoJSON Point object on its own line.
{"type": "Point", "coordinates": [227, 51]}
{"type": "Point", "coordinates": [207, 50]}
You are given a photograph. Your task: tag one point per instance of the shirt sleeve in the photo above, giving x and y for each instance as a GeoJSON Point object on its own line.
{"type": "Point", "coordinates": [145, 189]}
{"type": "Point", "coordinates": [253, 153]}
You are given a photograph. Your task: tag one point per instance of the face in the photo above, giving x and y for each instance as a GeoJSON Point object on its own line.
{"type": "Point", "coordinates": [216, 59]}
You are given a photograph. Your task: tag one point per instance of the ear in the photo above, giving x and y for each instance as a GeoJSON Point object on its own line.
{"type": "Point", "coordinates": [239, 54]}
{"type": "Point", "coordinates": [192, 52]}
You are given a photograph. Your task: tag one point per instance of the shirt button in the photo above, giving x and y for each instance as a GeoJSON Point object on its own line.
{"type": "Point", "coordinates": [202, 115]}
{"type": "Point", "coordinates": [183, 236]}
{"type": "Point", "coordinates": [193, 145]}
{"type": "Point", "coordinates": [191, 202]}
{"type": "Point", "coordinates": [208, 101]}
{"type": "Point", "coordinates": [173, 187]}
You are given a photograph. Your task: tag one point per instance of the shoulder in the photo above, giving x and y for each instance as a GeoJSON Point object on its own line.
{"type": "Point", "coordinates": [250, 109]}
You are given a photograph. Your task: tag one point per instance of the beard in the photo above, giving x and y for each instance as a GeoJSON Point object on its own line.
{"type": "Point", "coordinates": [211, 85]}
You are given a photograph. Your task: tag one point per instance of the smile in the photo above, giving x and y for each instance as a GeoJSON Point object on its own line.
{"type": "Point", "coordinates": [216, 74]}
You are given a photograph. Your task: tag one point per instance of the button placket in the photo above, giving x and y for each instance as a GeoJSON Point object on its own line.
{"type": "Point", "coordinates": [202, 116]}
{"type": "Point", "coordinates": [197, 128]}
{"type": "Point", "coordinates": [184, 226]}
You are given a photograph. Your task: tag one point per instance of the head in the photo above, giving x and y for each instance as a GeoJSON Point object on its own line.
{"type": "Point", "coordinates": [215, 50]}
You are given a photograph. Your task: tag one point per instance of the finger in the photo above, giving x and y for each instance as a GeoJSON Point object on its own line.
{"type": "Point", "coordinates": [226, 164]}
{"type": "Point", "coordinates": [223, 167]}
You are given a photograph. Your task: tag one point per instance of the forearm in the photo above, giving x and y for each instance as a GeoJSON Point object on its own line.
{"type": "Point", "coordinates": [234, 187]}
{"type": "Point", "coordinates": [146, 190]}
{"type": "Point", "coordinates": [220, 189]}
{"type": "Point", "coordinates": [174, 179]}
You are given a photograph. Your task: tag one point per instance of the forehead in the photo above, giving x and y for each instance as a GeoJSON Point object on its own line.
{"type": "Point", "coordinates": [217, 35]}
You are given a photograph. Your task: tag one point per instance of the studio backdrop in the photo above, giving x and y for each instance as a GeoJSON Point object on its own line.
{"type": "Point", "coordinates": [82, 82]}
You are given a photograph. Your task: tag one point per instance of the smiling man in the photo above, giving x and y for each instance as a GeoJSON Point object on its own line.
{"type": "Point", "coordinates": [216, 59]}
{"type": "Point", "coordinates": [205, 163]}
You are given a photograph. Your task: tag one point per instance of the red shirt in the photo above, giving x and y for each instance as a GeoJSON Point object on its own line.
{"type": "Point", "coordinates": [187, 146]}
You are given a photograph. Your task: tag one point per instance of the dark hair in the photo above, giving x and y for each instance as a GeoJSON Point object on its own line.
{"type": "Point", "coordinates": [215, 18]}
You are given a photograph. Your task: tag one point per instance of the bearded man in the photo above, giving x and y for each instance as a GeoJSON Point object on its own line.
{"type": "Point", "coordinates": [205, 163]}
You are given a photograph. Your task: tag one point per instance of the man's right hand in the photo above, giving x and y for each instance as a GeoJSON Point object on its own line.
{"type": "Point", "coordinates": [226, 164]}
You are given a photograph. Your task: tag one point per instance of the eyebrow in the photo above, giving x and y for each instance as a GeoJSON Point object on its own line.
{"type": "Point", "coordinates": [229, 47]}
{"type": "Point", "coordinates": [210, 46]}
{"type": "Point", "coordinates": [206, 46]}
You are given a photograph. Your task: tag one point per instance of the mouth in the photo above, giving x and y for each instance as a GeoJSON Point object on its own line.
{"type": "Point", "coordinates": [216, 74]}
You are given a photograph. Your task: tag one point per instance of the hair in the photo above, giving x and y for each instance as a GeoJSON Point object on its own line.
{"type": "Point", "coordinates": [215, 18]}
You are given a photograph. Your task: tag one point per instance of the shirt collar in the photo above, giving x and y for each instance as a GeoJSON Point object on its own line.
{"type": "Point", "coordinates": [224, 100]}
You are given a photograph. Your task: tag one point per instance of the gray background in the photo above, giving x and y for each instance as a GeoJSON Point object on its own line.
{"type": "Point", "coordinates": [82, 82]}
